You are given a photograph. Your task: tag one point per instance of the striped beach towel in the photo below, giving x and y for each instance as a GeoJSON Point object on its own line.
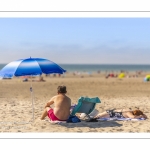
{"type": "Point", "coordinates": [121, 119]}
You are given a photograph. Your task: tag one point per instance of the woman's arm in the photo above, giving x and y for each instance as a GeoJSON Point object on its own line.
{"type": "Point", "coordinates": [50, 102]}
{"type": "Point", "coordinates": [144, 116]}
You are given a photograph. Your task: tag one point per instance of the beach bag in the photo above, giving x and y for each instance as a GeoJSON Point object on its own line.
{"type": "Point", "coordinates": [73, 119]}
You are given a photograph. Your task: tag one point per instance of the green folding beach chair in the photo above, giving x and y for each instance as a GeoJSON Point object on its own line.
{"type": "Point", "coordinates": [85, 105]}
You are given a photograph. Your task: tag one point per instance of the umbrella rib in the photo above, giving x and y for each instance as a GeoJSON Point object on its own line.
{"type": "Point", "coordinates": [38, 65]}
{"type": "Point", "coordinates": [58, 66]}
{"type": "Point", "coordinates": [17, 67]}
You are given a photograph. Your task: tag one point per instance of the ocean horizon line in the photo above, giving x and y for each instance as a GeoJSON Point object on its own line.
{"type": "Point", "coordinates": [101, 67]}
{"type": "Point", "coordinates": [98, 64]}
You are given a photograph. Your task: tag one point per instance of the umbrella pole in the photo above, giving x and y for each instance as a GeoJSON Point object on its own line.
{"type": "Point", "coordinates": [32, 97]}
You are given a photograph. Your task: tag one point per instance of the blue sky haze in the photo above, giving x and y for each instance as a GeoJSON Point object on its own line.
{"type": "Point", "coordinates": [76, 40]}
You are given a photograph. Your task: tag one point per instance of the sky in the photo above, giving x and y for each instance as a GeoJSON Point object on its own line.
{"type": "Point", "coordinates": [76, 40]}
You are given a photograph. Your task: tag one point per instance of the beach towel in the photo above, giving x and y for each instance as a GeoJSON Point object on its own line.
{"type": "Point", "coordinates": [53, 122]}
{"type": "Point", "coordinates": [121, 119]}
{"type": "Point", "coordinates": [56, 122]}
{"type": "Point", "coordinates": [71, 119]}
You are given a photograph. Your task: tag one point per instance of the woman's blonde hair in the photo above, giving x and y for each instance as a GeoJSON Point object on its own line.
{"type": "Point", "coordinates": [137, 112]}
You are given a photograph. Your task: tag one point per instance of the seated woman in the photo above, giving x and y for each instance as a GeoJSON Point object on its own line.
{"type": "Point", "coordinates": [25, 79]}
{"type": "Point", "coordinates": [122, 113]}
{"type": "Point", "coordinates": [39, 80]}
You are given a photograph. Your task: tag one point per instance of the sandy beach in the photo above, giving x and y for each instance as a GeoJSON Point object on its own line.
{"type": "Point", "coordinates": [16, 110]}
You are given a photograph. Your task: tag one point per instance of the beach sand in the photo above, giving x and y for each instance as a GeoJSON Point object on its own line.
{"type": "Point", "coordinates": [16, 110]}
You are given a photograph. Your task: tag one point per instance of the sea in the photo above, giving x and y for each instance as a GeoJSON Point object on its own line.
{"type": "Point", "coordinates": [104, 67]}
{"type": "Point", "coordinates": [101, 67]}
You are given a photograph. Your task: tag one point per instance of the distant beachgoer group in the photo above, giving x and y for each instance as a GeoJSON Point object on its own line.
{"type": "Point", "coordinates": [111, 75]}
{"type": "Point", "coordinates": [123, 74]}
{"type": "Point", "coordinates": [41, 79]}
{"type": "Point", "coordinates": [81, 74]}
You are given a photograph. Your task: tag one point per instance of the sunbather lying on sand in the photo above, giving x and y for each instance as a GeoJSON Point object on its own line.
{"type": "Point", "coordinates": [39, 80]}
{"type": "Point", "coordinates": [122, 113]}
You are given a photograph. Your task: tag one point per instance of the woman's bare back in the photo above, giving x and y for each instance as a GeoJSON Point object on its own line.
{"type": "Point", "coordinates": [62, 105]}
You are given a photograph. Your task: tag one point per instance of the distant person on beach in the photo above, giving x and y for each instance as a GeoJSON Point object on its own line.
{"type": "Point", "coordinates": [111, 75]}
{"type": "Point", "coordinates": [25, 80]}
{"type": "Point", "coordinates": [122, 113]}
{"type": "Point", "coordinates": [62, 105]}
{"type": "Point", "coordinates": [41, 79]}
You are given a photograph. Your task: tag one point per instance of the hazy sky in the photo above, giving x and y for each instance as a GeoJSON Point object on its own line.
{"type": "Point", "coordinates": [76, 40]}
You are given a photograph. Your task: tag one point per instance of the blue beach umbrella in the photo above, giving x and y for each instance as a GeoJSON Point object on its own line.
{"type": "Point", "coordinates": [30, 67]}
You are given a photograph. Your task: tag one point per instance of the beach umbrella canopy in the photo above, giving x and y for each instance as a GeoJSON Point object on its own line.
{"type": "Point", "coordinates": [30, 67]}
{"type": "Point", "coordinates": [148, 76]}
{"type": "Point", "coordinates": [121, 75]}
